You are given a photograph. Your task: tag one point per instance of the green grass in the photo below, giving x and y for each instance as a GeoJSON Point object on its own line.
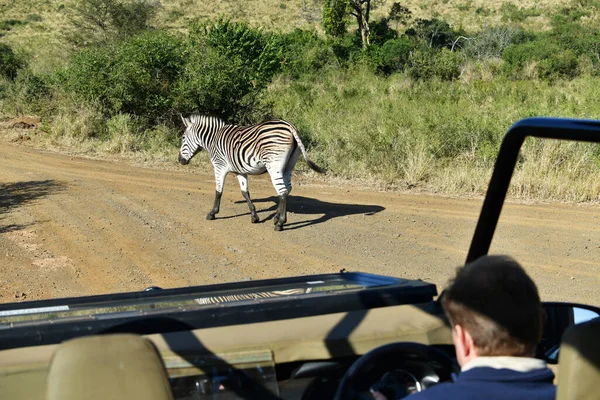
{"type": "Point", "coordinates": [442, 136]}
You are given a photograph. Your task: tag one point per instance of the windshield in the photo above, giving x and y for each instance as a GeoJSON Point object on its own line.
{"type": "Point", "coordinates": [394, 112]}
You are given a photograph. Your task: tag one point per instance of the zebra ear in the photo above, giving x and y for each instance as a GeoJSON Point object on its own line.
{"type": "Point", "coordinates": [186, 122]}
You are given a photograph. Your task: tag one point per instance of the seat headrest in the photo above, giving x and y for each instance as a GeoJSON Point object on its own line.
{"type": "Point", "coordinates": [579, 362]}
{"type": "Point", "coordinates": [119, 366]}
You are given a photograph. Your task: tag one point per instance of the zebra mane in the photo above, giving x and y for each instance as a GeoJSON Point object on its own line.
{"type": "Point", "coordinates": [205, 119]}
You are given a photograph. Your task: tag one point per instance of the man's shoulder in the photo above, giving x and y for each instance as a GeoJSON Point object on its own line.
{"type": "Point", "coordinates": [486, 383]}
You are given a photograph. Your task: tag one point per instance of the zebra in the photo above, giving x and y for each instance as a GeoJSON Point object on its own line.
{"type": "Point", "coordinates": [272, 146]}
{"type": "Point", "coordinates": [251, 296]}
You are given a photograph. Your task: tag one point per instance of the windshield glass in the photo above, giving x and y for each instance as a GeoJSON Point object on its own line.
{"type": "Point", "coordinates": [156, 144]}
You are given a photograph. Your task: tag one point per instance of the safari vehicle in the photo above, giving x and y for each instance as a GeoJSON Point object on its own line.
{"type": "Point", "coordinates": [306, 337]}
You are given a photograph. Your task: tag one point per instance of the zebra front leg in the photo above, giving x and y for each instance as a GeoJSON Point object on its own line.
{"type": "Point", "coordinates": [215, 209]}
{"type": "Point", "coordinates": [281, 214]}
{"type": "Point", "coordinates": [219, 180]}
{"type": "Point", "coordinates": [243, 180]}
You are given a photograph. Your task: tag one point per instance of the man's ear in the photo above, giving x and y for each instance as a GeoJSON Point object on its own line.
{"type": "Point", "coordinates": [463, 343]}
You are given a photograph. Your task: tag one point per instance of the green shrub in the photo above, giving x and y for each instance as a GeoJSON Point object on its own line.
{"type": "Point", "coordinates": [135, 76]}
{"type": "Point", "coordinates": [559, 65]}
{"type": "Point", "coordinates": [552, 61]}
{"type": "Point", "coordinates": [8, 24]}
{"type": "Point", "coordinates": [510, 12]}
{"type": "Point", "coordinates": [395, 54]}
{"type": "Point", "coordinates": [101, 21]}
{"type": "Point", "coordinates": [432, 33]}
{"type": "Point", "coordinates": [215, 83]}
{"type": "Point", "coordinates": [9, 62]}
{"type": "Point", "coordinates": [426, 64]}
{"type": "Point", "coordinates": [259, 52]}
{"type": "Point", "coordinates": [304, 52]}
{"type": "Point", "coordinates": [380, 32]}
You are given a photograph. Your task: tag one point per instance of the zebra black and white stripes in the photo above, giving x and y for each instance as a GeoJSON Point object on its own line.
{"type": "Point", "coordinates": [271, 146]}
{"type": "Point", "coordinates": [251, 296]}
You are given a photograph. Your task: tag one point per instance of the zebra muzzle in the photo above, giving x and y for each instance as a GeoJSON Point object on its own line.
{"type": "Point", "coordinates": [182, 160]}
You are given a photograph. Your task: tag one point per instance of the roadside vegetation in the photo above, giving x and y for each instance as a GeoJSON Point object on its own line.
{"type": "Point", "coordinates": [408, 96]}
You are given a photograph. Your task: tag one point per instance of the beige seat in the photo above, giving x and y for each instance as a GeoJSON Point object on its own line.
{"type": "Point", "coordinates": [108, 367]}
{"type": "Point", "coordinates": [579, 362]}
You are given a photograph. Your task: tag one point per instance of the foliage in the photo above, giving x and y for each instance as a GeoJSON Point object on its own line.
{"type": "Point", "coordinates": [8, 24]}
{"type": "Point", "coordinates": [135, 76]}
{"type": "Point", "coordinates": [215, 83]}
{"type": "Point", "coordinates": [9, 62]}
{"type": "Point", "coordinates": [400, 14]}
{"type": "Point", "coordinates": [432, 33]}
{"type": "Point", "coordinates": [510, 12]}
{"type": "Point", "coordinates": [395, 54]}
{"type": "Point", "coordinates": [428, 63]}
{"type": "Point", "coordinates": [491, 42]}
{"type": "Point", "coordinates": [304, 52]}
{"type": "Point", "coordinates": [381, 32]}
{"type": "Point", "coordinates": [101, 21]}
{"type": "Point", "coordinates": [335, 17]}
{"type": "Point", "coordinates": [258, 52]}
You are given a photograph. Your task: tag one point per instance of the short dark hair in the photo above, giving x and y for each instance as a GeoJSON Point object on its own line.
{"type": "Point", "coordinates": [495, 300]}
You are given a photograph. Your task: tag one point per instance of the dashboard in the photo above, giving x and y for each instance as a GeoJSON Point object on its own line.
{"type": "Point", "coordinates": [396, 377]}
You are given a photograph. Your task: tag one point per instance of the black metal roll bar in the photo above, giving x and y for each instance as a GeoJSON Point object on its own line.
{"type": "Point", "coordinates": [546, 128]}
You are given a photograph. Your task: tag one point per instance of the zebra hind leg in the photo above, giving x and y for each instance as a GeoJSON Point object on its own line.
{"type": "Point", "coordinates": [281, 213]}
{"type": "Point", "coordinates": [253, 216]}
{"type": "Point", "coordinates": [243, 180]}
{"type": "Point", "coordinates": [215, 209]}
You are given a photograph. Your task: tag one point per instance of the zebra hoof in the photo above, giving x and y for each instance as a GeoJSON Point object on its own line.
{"type": "Point", "coordinates": [210, 217]}
{"type": "Point", "coordinates": [254, 219]}
{"type": "Point", "coordinates": [278, 228]}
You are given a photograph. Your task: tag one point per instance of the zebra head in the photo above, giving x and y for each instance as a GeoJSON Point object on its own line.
{"type": "Point", "coordinates": [190, 142]}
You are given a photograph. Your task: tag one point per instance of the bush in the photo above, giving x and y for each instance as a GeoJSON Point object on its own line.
{"type": "Point", "coordinates": [395, 54]}
{"type": "Point", "coordinates": [101, 21]}
{"type": "Point", "coordinates": [432, 33]}
{"type": "Point", "coordinates": [215, 83]}
{"type": "Point", "coordinates": [135, 76]}
{"type": "Point", "coordinates": [426, 64]}
{"type": "Point", "coordinates": [552, 62]}
{"type": "Point", "coordinates": [9, 62]}
{"type": "Point", "coordinates": [304, 52]}
{"type": "Point", "coordinates": [380, 32]}
{"type": "Point", "coordinates": [491, 42]}
{"type": "Point", "coordinates": [559, 65]}
{"type": "Point", "coordinates": [259, 52]}
{"type": "Point", "coordinates": [28, 93]}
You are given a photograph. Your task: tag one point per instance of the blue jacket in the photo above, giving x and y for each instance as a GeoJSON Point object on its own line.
{"type": "Point", "coordinates": [490, 384]}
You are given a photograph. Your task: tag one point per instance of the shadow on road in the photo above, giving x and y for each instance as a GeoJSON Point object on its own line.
{"type": "Point", "coordinates": [17, 194]}
{"type": "Point", "coordinates": [309, 206]}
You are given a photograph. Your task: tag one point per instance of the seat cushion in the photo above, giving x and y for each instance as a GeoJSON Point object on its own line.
{"type": "Point", "coordinates": [579, 362]}
{"type": "Point", "coordinates": [108, 367]}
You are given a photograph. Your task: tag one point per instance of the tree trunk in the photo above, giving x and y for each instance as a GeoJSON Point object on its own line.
{"type": "Point", "coordinates": [362, 18]}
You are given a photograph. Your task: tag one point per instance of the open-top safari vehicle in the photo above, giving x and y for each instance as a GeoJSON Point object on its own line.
{"type": "Point", "coordinates": [305, 337]}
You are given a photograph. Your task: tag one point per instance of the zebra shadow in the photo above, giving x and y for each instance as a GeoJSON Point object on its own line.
{"type": "Point", "coordinates": [309, 206]}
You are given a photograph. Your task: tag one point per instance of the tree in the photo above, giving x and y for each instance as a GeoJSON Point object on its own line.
{"type": "Point", "coordinates": [335, 13]}
{"type": "Point", "coordinates": [400, 14]}
{"type": "Point", "coordinates": [100, 21]}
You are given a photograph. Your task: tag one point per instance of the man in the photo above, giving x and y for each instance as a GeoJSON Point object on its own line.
{"type": "Point", "coordinates": [496, 317]}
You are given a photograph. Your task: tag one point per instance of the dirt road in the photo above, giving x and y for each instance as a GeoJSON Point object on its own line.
{"type": "Point", "coordinates": [73, 226]}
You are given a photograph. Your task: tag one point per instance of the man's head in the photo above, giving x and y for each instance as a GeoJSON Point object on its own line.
{"type": "Point", "coordinates": [494, 309]}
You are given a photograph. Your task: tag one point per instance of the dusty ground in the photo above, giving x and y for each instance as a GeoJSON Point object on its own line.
{"type": "Point", "coordinates": [73, 226]}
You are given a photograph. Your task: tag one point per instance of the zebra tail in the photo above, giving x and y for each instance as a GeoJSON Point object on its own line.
{"type": "Point", "coordinates": [311, 164]}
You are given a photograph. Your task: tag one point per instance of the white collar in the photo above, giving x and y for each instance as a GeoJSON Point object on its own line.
{"type": "Point", "coordinates": [520, 364]}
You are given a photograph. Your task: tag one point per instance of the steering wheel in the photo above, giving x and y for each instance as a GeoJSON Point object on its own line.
{"type": "Point", "coordinates": [393, 353]}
